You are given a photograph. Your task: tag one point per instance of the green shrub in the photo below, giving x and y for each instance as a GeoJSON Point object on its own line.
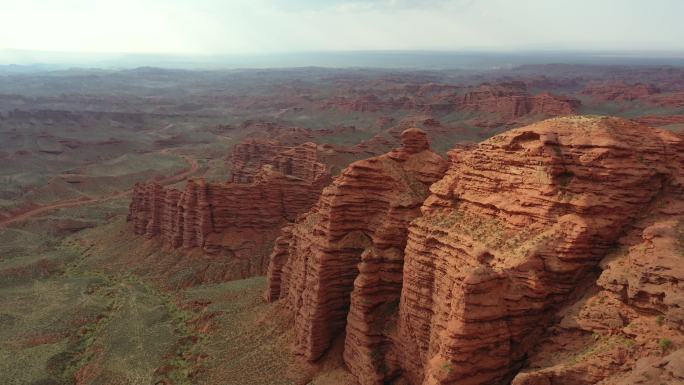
{"type": "Point", "coordinates": [665, 344]}
{"type": "Point", "coordinates": [448, 367]}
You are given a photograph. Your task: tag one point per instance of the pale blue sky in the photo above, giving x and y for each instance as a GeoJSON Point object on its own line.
{"type": "Point", "coordinates": [266, 26]}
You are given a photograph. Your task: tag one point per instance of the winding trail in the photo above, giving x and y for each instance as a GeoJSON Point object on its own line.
{"type": "Point", "coordinates": [82, 201]}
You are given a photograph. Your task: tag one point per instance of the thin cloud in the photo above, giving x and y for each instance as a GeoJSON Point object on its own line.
{"type": "Point", "coordinates": [218, 27]}
{"type": "Point", "coordinates": [365, 5]}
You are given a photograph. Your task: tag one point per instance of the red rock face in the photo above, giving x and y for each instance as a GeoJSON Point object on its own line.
{"type": "Point", "coordinates": [498, 270]}
{"type": "Point", "coordinates": [510, 231]}
{"type": "Point", "coordinates": [342, 262]}
{"type": "Point", "coordinates": [620, 91]}
{"type": "Point", "coordinates": [511, 101]}
{"type": "Point", "coordinates": [552, 105]}
{"type": "Point", "coordinates": [659, 120]}
{"type": "Point", "coordinates": [673, 99]}
{"type": "Point", "coordinates": [631, 315]}
{"type": "Point", "coordinates": [369, 103]}
{"type": "Point", "coordinates": [235, 220]}
{"type": "Point", "coordinates": [249, 156]}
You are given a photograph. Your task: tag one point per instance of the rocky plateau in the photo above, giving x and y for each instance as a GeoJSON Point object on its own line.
{"type": "Point", "coordinates": [546, 255]}
{"type": "Point", "coordinates": [343, 226]}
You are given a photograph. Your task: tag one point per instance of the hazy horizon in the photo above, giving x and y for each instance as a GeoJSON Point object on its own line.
{"type": "Point", "coordinates": [213, 28]}
{"type": "Point", "coordinates": [22, 61]}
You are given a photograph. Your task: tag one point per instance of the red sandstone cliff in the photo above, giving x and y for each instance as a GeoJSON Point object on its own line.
{"type": "Point", "coordinates": [508, 101]}
{"type": "Point", "coordinates": [501, 267]}
{"type": "Point", "coordinates": [660, 120]}
{"type": "Point", "coordinates": [249, 156]}
{"type": "Point", "coordinates": [672, 99]}
{"type": "Point", "coordinates": [361, 219]}
{"type": "Point", "coordinates": [512, 101]}
{"type": "Point", "coordinates": [620, 91]}
{"type": "Point", "coordinates": [234, 220]}
{"type": "Point", "coordinates": [511, 231]}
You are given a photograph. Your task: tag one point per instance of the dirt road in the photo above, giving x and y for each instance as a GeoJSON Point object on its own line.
{"type": "Point", "coordinates": [194, 166]}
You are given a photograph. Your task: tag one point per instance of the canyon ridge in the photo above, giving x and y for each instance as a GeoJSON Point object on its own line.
{"type": "Point", "coordinates": [520, 225]}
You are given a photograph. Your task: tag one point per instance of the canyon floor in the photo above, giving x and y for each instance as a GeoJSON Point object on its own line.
{"type": "Point", "coordinates": [84, 300]}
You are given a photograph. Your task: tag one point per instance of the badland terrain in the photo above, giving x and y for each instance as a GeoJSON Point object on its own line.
{"type": "Point", "coordinates": [342, 226]}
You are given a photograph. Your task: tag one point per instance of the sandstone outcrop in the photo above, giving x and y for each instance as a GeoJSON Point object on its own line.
{"type": "Point", "coordinates": [673, 99]}
{"type": "Point", "coordinates": [631, 319]}
{"type": "Point", "coordinates": [361, 219]}
{"type": "Point", "coordinates": [620, 91]}
{"type": "Point", "coordinates": [552, 249]}
{"type": "Point", "coordinates": [510, 232]}
{"type": "Point", "coordinates": [300, 161]}
{"type": "Point", "coordinates": [547, 104]}
{"type": "Point", "coordinates": [660, 120]}
{"type": "Point", "coordinates": [249, 156]}
{"type": "Point", "coordinates": [509, 100]}
{"type": "Point", "coordinates": [369, 103]}
{"type": "Point", "coordinates": [512, 100]}
{"type": "Point", "coordinates": [235, 220]}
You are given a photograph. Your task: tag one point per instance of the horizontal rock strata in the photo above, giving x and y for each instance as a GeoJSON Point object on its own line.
{"type": "Point", "coordinates": [494, 273]}
{"type": "Point", "coordinates": [236, 220]}
{"type": "Point", "coordinates": [508, 234]}
{"type": "Point", "coordinates": [341, 263]}
{"type": "Point", "coordinates": [512, 101]}
{"type": "Point", "coordinates": [620, 91]}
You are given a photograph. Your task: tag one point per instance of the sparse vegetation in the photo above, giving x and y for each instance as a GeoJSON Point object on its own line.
{"type": "Point", "coordinates": [628, 342]}
{"type": "Point", "coordinates": [601, 344]}
{"type": "Point", "coordinates": [80, 297]}
{"type": "Point", "coordinates": [665, 344]}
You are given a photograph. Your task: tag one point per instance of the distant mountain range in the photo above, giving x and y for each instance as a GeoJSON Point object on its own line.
{"type": "Point", "coordinates": [17, 61]}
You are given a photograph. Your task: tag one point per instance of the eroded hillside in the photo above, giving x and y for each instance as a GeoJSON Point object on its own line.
{"type": "Point", "coordinates": [551, 249]}
{"type": "Point", "coordinates": [545, 255]}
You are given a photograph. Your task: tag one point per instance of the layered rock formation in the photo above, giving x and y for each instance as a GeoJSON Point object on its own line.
{"type": "Point", "coordinates": [646, 93]}
{"type": "Point", "coordinates": [672, 99]}
{"type": "Point", "coordinates": [369, 103]}
{"type": "Point", "coordinates": [347, 252]}
{"type": "Point", "coordinates": [249, 156]}
{"type": "Point", "coordinates": [511, 101]}
{"type": "Point", "coordinates": [628, 328]}
{"type": "Point", "coordinates": [620, 91]}
{"type": "Point", "coordinates": [661, 120]}
{"type": "Point", "coordinates": [510, 232]}
{"type": "Point", "coordinates": [547, 104]}
{"type": "Point", "coordinates": [501, 262]}
{"type": "Point", "coordinates": [235, 220]}
{"type": "Point", "coordinates": [631, 318]}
